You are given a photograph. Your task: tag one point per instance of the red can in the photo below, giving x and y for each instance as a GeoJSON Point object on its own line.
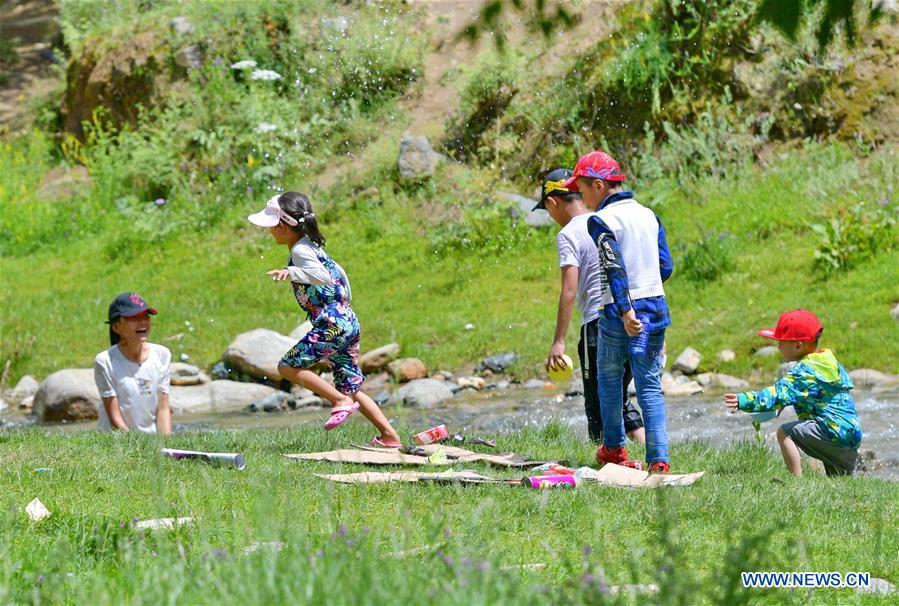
{"type": "Point", "coordinates": [429, 436]}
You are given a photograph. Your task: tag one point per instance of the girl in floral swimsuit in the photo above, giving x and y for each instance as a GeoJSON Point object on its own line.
{"type": "Point", "coordinates": [322, 289]}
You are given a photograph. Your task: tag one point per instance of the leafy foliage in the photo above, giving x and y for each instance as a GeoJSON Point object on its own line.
{"type": "Point", "coordinates": [788, 15]}
{"type": "Point", "coordinates": [706, 259]}
{"type": "Point", "coordinates": [854, 234]}
{"type": "Point", "coordinates": [545, 16]}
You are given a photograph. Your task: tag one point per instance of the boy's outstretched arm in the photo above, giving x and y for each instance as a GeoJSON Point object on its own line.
{"type": "Point", "coordinates": [797, 385]}
{"type": "Point", "coordinates": [567, 296]}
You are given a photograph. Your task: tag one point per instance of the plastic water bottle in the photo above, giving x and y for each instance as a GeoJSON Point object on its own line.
{"type": "Point", "coordinates": [638, 345]}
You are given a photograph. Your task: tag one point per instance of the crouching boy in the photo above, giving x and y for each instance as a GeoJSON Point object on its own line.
{"type": "Point", "coordinates": [817, 387]}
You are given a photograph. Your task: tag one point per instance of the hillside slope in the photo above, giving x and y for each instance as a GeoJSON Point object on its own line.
{"type": "Point", "coordinates": [739, 202]}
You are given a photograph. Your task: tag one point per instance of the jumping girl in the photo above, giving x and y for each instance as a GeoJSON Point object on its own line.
{"type": "Point", "coordinates": [323, 290]}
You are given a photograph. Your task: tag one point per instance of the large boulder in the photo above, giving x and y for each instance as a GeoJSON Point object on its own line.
{"type": "Point", "coordinates": [408, 369]}
{"type": "Point", "coordinates": [258, 352]}
{"type": "Point", "coordinates": [522, 207]}
{"type": "Point", "coordinates": [67, 395]}
{"type": "Point", "coordinates": [867, 377]}
{"type": "Point", "coordinates": [376, 359]}
{"type": "Point", "coordinates": [423, 393]}
{"type": "Point", "coordinates": [300, 331]}
{"type": "Point", "coordinates": [217, 396]}
{"type": "Point", "coordinates": [417, 160]}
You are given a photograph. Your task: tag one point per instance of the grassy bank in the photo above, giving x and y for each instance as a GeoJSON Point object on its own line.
{"type": "Point", "coordinates": [763, 214]}
{"type": "Point", "coordinates": [342, 541]}
{"type": "Point", "coordinates": [426, 261]}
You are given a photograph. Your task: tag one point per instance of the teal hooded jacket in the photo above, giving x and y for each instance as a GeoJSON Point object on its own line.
{"type": "Point", "coordinates": [817, 387]}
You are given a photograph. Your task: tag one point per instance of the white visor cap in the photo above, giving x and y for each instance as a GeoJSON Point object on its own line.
{"type": "Point", "coordinates": [271, 215]}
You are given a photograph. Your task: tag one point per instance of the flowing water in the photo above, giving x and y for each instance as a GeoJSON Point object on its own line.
{"type": "Point", "coordinates": [490, 412]}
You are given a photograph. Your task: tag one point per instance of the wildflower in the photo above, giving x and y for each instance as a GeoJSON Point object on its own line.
{"type": "Point", "coordinates": [265, 74]}
{"type": "Point", "coordinates": [264, 127]}
{"type": "Point", "coordinates": [218, 61]}
{"type": "Point", "coordinates": [245, 64]}
{"type": "Point", "coordinates": [159, 201]}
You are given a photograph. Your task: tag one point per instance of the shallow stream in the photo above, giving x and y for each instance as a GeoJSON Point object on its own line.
{"type": "Point", "coordinates": [703, 418]}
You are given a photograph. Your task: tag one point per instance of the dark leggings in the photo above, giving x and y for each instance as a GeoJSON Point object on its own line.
{"type": "Point", "coordinates": [632, 418]}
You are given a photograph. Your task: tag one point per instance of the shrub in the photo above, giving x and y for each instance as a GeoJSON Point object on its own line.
{"type": "Point", "coordinates": [488, 229]}
{"type": "Point", "coordinates": [854, 234]}
{"type": "Point", "coordinates": [487, 90]}
{"type": "Point", "coordinates": [706, 259]}
{"type": "Point", "coordinates": [220, 135]}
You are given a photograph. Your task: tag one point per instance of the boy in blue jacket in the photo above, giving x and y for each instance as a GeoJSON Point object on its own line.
{"type": "Point", "coordinates": [634, 255]}
{"type": "Point", "coordinates": [817, 388]}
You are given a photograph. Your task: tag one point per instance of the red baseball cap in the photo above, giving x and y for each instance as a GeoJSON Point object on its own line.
{"type": "Point", "coordinates": [797, 325]}
{"type": "Point", "coordinates": [595, 165]}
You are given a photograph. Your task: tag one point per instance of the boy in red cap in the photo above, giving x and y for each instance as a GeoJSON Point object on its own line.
{"type": "Point", "coordinates": [817, 387]}
{"type": "Point", "coordinates": [634, 255]}
{"type": "Point", "coordinates": [582, 283]}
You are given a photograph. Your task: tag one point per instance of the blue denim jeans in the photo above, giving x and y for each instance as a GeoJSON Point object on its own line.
{"type": "Point", "coordinates": [647, 369]}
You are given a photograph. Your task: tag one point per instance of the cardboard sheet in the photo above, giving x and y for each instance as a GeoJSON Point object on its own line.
{"type": "Point", "coordinates": [368, 457]}
{"type": "Point", "coordinates": [378, 477]}
{"type": "Point", "coordinates": [463, 455]}
{"type": "Point", "coordinates": [392, 456]}
{"type": "Point", "coordinates": [618, 475]}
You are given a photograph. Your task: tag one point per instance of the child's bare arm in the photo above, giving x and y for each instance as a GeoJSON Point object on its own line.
{"type": "Point", "coordinates": [567, 296]}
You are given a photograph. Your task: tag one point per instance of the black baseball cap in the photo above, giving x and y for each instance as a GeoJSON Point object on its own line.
{"type": "Point", "coordinates": [126, 305]}
{"type": "Point", "coordinates": [553, 185]}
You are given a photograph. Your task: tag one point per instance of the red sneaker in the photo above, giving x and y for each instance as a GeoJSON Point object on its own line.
{"type": "Point", "coordinates": [659, 467]}
{"type": "Point", "coordinates": [618, 456]}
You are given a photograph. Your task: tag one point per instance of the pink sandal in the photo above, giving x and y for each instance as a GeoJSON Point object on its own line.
{"type": "Point", "coordinates": [339, 415]}
{"type": "Point", "coordinates": [379, 443]}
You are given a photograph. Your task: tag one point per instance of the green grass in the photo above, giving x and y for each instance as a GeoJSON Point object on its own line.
{"type": "Point", "coordinates": [745, 514]}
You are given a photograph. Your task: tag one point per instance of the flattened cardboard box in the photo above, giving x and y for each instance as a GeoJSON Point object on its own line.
{"type": "Point", "coordinates": [392, 456]}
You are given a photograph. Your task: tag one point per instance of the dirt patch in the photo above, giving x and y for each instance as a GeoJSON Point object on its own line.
{"type": "Point", "coordinates": [435, 99]}
{"type": "Point", "coordinates": [33, 70]}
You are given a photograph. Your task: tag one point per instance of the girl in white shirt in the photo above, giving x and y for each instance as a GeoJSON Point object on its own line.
{"type": "Point", "coordinates": [133, 375]}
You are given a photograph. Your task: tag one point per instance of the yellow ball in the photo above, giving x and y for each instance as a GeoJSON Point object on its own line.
{"type": "Point", "coordinates": [562, 374]}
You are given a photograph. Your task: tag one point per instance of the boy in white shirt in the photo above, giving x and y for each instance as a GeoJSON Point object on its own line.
{"type": "Point", "coordinates": [133, 375]}
{"type": "Point", "coordinates": [582, 282]}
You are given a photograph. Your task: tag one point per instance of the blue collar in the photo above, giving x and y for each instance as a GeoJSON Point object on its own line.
{"type": "Point", "coordinates": [611, 199]}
